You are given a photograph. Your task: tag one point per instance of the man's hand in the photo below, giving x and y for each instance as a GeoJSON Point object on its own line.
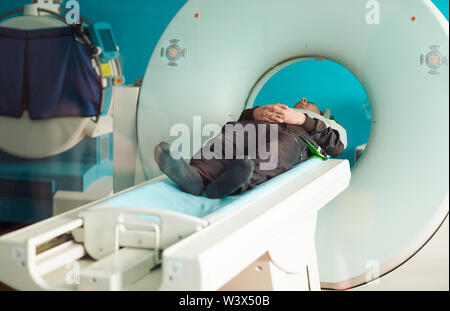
{"type": "Point", "coordinates": [279, 113]}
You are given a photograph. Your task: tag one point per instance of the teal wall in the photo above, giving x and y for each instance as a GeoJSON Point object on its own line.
{"type": "Point", "coordinates": [443, 6]}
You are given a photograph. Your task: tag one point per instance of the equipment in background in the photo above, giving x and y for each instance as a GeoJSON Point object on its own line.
{"type": "Point", "coordinates": [54, 157]}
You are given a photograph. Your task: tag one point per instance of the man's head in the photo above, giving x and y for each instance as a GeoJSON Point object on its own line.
{"type": "Point", "coordinates": [305, 105]}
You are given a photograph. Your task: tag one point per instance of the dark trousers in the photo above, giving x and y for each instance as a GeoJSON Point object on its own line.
{"type": "Point", "coordinates": [280, 155]}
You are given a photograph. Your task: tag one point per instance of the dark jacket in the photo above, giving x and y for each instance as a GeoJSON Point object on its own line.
{"type": "Point", "coordinates": [292, 149]}
{"type": "Point", "coordinates": [314, 131]}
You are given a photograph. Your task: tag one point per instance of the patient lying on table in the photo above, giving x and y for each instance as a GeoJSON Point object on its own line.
{"type": "Point", "coordinates": [265, 142]}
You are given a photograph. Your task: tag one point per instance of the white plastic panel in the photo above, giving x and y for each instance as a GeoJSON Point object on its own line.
{"type": "Point", "coordinates": [399, 188]}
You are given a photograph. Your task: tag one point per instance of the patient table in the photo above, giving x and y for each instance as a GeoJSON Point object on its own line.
{"type": "Point", "coordinates": [153, 236]}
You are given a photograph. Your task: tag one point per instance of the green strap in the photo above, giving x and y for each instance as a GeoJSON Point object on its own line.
{"type": "Point", "coordinates": [316, 152]}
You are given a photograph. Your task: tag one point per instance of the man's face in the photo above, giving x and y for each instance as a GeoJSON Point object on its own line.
{"type": "Point", "coordinates": [304, 104]}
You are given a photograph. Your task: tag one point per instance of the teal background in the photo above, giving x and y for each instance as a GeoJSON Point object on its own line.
{"type": "Point", "coordinates": [138, 24]}
{"type": "Point", "coordinates": [329, 85]}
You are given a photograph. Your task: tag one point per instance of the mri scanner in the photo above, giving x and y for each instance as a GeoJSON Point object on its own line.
{"type": "Point", "coordinates": [211, 61]}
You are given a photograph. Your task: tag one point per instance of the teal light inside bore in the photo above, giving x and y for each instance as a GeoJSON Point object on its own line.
{"type": "Point", "coordinates": [329, 85]}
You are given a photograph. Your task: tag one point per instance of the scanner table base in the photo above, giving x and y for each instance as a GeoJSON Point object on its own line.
{"type": "Point", "coordinates": [263, 239]}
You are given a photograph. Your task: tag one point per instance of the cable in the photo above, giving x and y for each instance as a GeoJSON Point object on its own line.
{"type": "Point", "coordinates": [11, 12]}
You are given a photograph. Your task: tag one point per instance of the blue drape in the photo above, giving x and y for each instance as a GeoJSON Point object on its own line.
{"type": "Point", "coordinates": [12, 57]}
{"type": "Point", "coordinates": [52, 69]}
